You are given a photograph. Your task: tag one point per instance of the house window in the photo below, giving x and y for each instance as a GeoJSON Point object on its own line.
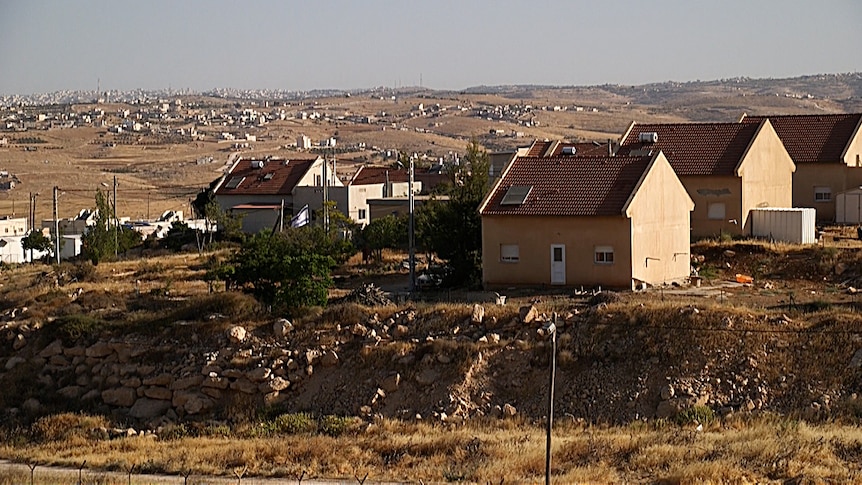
{"type": "Point", "coordinates": [822, 194]}
{"type": "Point", "coordinates": [604, 255]}
{"type": "Point", "coordinates": [361, 214]}
{"type": "Point", "coordinates": [510, 253]}
{"type": "Point", "coordinates": [716, 211]}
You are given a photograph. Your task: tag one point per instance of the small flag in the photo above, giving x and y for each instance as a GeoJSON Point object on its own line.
{"type": "Point", "coordinates": [301, 218]}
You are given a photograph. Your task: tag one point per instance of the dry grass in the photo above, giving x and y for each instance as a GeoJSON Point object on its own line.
{"type": "Point", "coordinates": [734, 451]}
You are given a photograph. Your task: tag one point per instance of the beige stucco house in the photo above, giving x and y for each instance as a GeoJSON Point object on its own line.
{"type": "Point", "coordinates": [586, 221]}
{"type": "Point", "coordinates": [827, 151]}
{"type": "Point", "coordinates": [258, 189]}
{"type": "Point", "coordinates": [727, 169]}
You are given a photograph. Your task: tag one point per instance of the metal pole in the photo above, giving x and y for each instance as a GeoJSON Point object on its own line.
{"type": "Point", "coordinates": [552, 373]}
{"type": "Point", "coordinates": [281, 218]}
{"type": "Point", "coordinates": [116, 221]}
{"type": "Point", "coordinates": [325, 197]}
{"type": "Point", "coordinates": [56, 228]}
{"type": "Point", "coordinates": [411, 242]}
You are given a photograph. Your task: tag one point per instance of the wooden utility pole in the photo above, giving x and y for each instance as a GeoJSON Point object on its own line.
{"type": "Point", "coordinates": [56, 228]}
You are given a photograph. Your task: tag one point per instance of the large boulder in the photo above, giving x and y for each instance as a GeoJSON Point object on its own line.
{"type": "Point", "coordinates": [146, 408]}
{"type": "Point", "coordinates": [121, 396]}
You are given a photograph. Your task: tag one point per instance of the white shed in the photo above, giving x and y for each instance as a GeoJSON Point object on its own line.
{"type": "Point", "coordinates": [793, 225]}
{"type": "Point", "coordinates": [848, 207]}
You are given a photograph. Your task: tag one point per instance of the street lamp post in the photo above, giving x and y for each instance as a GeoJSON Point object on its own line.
{"type": "Point", "coordinates": [549, 330]}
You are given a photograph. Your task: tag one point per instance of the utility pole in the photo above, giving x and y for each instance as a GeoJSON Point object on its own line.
{"type": "Point", "coordinates": [281, 217]}
{"type": "Point", "coordinates": [56, 228]}
{"type": "Point", "coordinates": [325, 196]}
{"type": "Point", "coordinates": [411, 242]}
{"type": "Point", "coordinates": [116, 221]}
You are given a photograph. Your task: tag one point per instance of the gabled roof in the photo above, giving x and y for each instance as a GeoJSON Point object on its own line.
{"type": "Point", "coordinates": [568, 186]}
{"type": "Point", "coordinates": [378, 175]}
{"type": "Point", "coordinates": [547, 148]}
{"type": "Point", "coordinates": [538, 148]}
{"type": "Point", "coordinates": [694, 148]}
{"type": "Point", "coordinates": [813, 138]}
{"type": "Point", "coordinates": [275, 177]}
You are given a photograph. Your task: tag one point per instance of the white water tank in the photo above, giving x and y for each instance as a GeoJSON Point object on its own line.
{"type": "Point", "coordinates": [648, 137]}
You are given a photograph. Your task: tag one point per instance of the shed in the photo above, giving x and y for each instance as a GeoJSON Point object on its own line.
{"type": "Point", "coordinates": [848, 207]}
{"type": "Point", "coordinates": [792, 225]}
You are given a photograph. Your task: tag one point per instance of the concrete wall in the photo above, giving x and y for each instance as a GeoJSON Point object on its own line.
{"type": "Point", "coordinates": [534, 237]}
{"type": "Point", "coordinates": [660, 214]}
{"type": "Point", "coordinates": [811, 175]}
{"type": "Point", "coordinates": [767, 175]}
{"type": "Point", "coordinates": [853, 156]}
{"type": "Point", "coordinates": [707, 190]}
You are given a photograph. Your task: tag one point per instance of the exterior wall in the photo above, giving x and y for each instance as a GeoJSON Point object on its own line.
{"type": "Point", "coordinates": [13, 226]}
{"type": "Point", "coordinates": [534, 237]}
{"type": "Point", "coordinates": [256, 220]}
{"type": "Point", "coordinates": [660, 214]}
{"type": "Point", "coordinates": [705, 190]}
{"type": "Point", "coordinates": [12, 250]}
{"type": "Point", "coordinates": [810, 175]}
{"type": "Point", "coordinates": [359, 195]}
{"type": "Point", "coordinates": [767, 175]}
{"type": "Point", "coordinates": [853, 156]}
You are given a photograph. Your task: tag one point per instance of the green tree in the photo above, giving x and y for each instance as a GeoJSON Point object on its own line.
{"type": "Point", "coordinates": [281, 273]}
{"type": "Point", "coordinates": [206, 206]}
{"type": "Point", "coordinates": [100, 241]}
{"type": "Point", "coordinates": [37, 241]}
{"type": "Point", "coordinates": [389, 232]}
{"type": "Point", "coordinates": [453, 229]}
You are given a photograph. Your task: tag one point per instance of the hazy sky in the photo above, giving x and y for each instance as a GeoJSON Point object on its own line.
{"type": "Point", "coordinates": [49, 45]}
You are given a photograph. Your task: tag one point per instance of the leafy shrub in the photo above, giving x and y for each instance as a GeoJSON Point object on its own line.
{"type": "Point", "coordinates": [696, 414]}
{"type": "Point", "coordinates": [295, 423]}
{"type": "Point", "coordinates": [71, 328]}
{"type": "Point", "coordinates": [335, 426]}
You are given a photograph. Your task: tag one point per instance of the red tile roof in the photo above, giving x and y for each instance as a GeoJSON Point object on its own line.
{"type": "Point", "coordinates": [569, 186]}
{"type": "Point", "coordinates": [813, 138]}
{"type": "Point", "coordinates": [585, 149]}
{"type": "Point", "coordinates": [695, 148]}
{"type": "Point", "coordinates": [539, 148]}
{"type": "Point", "coordinates": [285, 174]}
{"type": "Point", "coordinates": [377, 175]}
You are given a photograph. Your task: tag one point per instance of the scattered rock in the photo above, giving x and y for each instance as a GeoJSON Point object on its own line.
{"type": "Point", "coordinates": [282, 327]}
{"type": "Point", "coordinates": [478, 314]}
{"type": "Point", "coordinates": [390, 384]}
{"type": "Point", "coordinates": [237, 334]}
{"type": "Point", "coordinates": [529, 314]}
{"type": "Point", "coordinates": [19, 342]}
{"type": "Point", "coordinates": [329, 359]}
{"type": "Point", "coordinates": [14, 361]}
{"type": "Point", "coordinates": [509, 411]}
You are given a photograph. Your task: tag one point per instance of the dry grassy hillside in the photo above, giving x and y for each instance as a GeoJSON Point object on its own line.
{"type": "Point", "coordinates": [425, 390]}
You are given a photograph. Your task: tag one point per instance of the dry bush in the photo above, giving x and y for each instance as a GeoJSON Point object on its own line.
{"type": "Point", "coordinates": [66, 426]}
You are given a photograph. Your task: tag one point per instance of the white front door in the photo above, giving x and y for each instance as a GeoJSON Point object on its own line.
{"type": "Point", "coordinates": [558, 264]}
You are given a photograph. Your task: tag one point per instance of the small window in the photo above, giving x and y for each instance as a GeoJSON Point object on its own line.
{"type": "Point", "coordinates": [361, 214]}
{"type": "Point", "coordinates": [717, 211]}
{"type": "Point", "coordinates": [822, 194]}
{"type": "Point", "coordinates": [604, 255]}
{"type": "Point", "coordinates": [318, 180]}
{"type": "Point", "coordinates": [510, 253]}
